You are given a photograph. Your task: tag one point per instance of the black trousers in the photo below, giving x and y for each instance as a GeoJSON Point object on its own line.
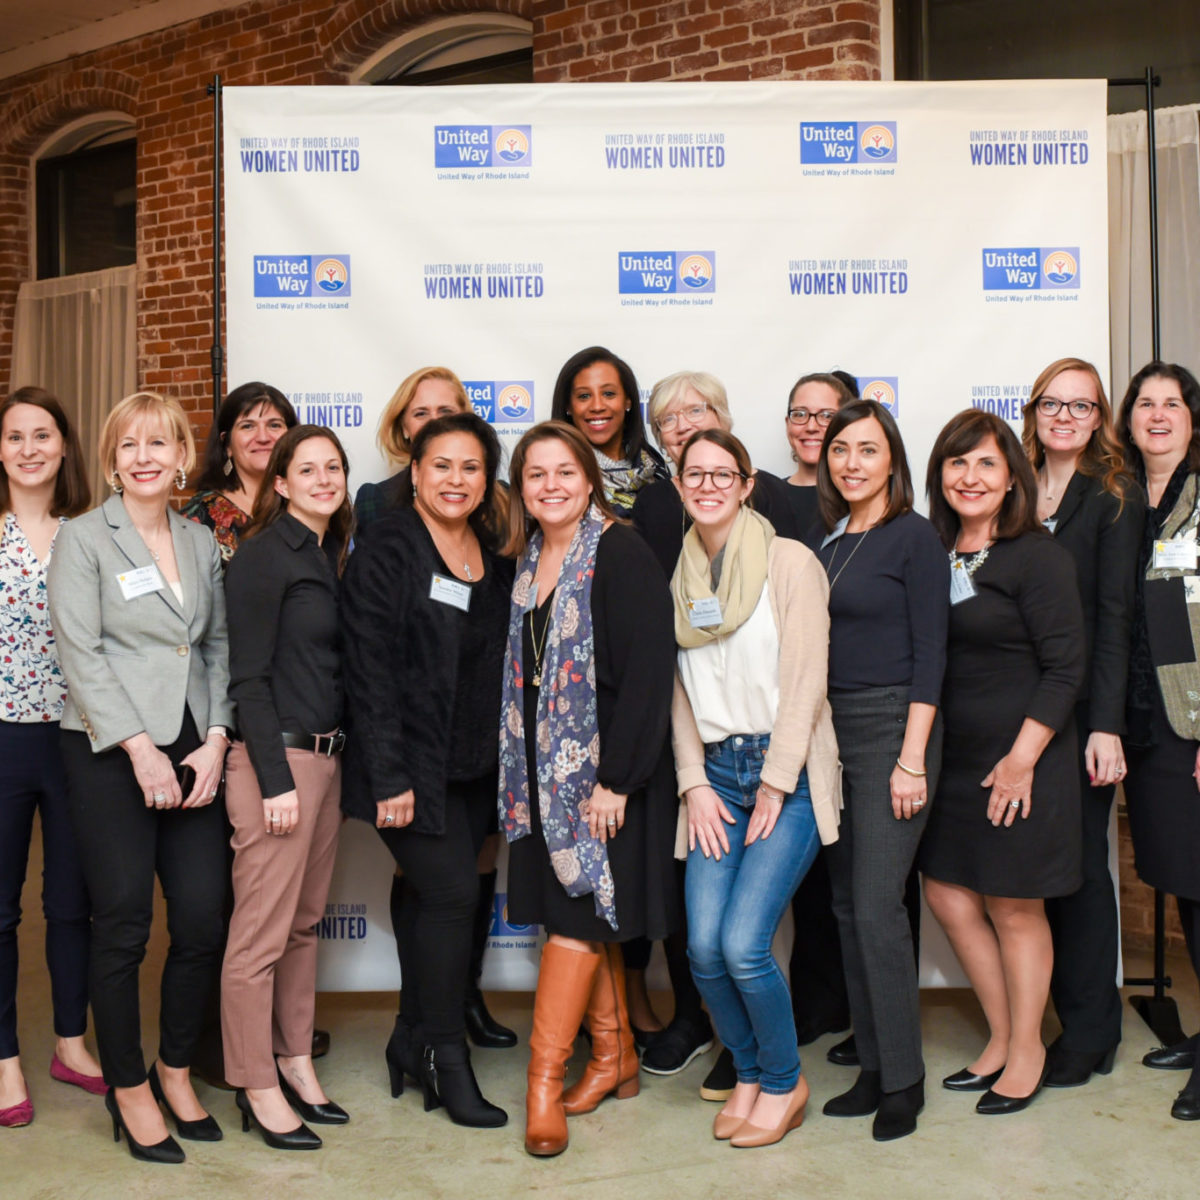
{"type": "Point", "coordinates": [438, 908]}
{"type": "Point", "coordinates": [1084, 927]}
{"type": "Point", "coordinates": [122, 846]}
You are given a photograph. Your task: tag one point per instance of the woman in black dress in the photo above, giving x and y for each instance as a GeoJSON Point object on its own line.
{"type": "Point", "coordinates": [1090, 504]}
{"type": "Point", "coordinates": [425, 604]}
{"type": "Point", "coordinates": [587, 790]}
{"type": "Point", "coordinates": [1159, 424]}
{"type": "Point", "coordinates": [1014, 666]}
{"type": "Point", "coordinates": [811, 405]}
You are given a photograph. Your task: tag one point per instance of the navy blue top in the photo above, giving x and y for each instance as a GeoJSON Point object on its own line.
{"type": "Point", "coordinates": [889, 604]}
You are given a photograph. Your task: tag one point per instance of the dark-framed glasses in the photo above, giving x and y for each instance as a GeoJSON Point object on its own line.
{"type": "Point", "coordinates": [723, 478]}
{"type": "Point", "coordinates": [802, 416]}
{"type": "Point", "coordinates": [1079, 409]}
{"type": "Point", "coordinates": [691, 413]}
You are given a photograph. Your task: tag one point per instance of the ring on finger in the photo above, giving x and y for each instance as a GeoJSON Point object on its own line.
{"type": "Point", "coordinates": [1014, 804]}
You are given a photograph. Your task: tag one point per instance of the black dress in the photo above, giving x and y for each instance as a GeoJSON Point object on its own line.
{"type": "Point", "coordinates": [1016, 650]}
{"type": "Point", "coordinates": [634, 638]}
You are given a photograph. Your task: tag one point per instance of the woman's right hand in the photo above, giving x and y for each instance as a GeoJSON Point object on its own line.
{"type": "Point", "coordinates": [396, 811]}
{"type": "Point", "coordinates": [154, 772]}
{"type": "Point", "coordinates": [706, 812]}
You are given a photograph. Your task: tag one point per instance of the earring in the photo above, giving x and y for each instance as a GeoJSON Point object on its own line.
{"type": "Point", "coordinates": [227, 468]}
{"type": "Point", "coordinates": [181, 479]}
{"type": "Point", "coordinates": [114, 482]}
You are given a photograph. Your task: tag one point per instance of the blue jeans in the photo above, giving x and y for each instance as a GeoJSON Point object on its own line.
{"type": "Point", "coordinates": [733, 909]}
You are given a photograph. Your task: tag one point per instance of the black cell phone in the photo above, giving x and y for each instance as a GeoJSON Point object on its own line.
{"type": "Point", "coordinates": [186, 774]}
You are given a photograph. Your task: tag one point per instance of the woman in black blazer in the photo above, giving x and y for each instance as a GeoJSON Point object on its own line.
{"type": "Point", "coordinates": [425, 609]}
{"type": "Point", "coordinates": [1091, 505]}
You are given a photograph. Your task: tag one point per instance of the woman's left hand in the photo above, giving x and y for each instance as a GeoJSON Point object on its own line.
{"type": "Point", "coordinates": [605, 813]}
{"type": "Point", "coordinates": [1011, 781]}
{"type": "Point", "coordinates": [768, 804]}
{"type": "Point", "coordinates": [909, 794]}
{"type": "Point", "coordinates": [1104, 758]}
{"type": "Point", "coordinates": [207, 760]}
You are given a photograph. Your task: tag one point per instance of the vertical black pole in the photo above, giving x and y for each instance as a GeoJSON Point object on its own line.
{"type": "Point", "coordinates": [1152, 159]}
{"type": "Point", "coordinates": [217, 353]}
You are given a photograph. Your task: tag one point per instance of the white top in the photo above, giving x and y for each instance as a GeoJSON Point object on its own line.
{"type": "Point", "coordinates": [732, 683]}
{"type": "Point", "coordinates": [177, 587]}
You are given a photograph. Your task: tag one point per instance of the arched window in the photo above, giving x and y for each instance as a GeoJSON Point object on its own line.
{"type": "Point", "coordinates": [86, 197]}
{"type": "Point", "coordinates": [474, 48]}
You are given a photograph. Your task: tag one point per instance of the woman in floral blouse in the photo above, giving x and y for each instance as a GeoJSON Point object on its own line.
{"type": "Point", "coordinates": [42, 483]}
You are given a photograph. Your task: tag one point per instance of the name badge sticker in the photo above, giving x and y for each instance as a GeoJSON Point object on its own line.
{"type": "Point", "coordinates": [140, 582]}
{"type": "Point", "coordinates": [1178, 554]}
{"type": "Point", "coordinates": [450, 591]}
{"type": "Point", "coordinates": [705, 612]}
{"type": "Point", "coordinates": [962, 586]}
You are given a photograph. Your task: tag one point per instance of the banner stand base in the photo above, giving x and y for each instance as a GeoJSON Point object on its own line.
{"type": "Point", "coordinates": [1161, 1013]}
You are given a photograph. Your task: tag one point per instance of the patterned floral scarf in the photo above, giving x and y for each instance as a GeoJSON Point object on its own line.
{"type": "Point", "coordinates": [623, 481]}
{"type": "Point", "coordinates": [568, 735]}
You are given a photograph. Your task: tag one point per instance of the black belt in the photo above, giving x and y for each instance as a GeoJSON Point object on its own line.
{"type": "Point", "coordinates": [326, 744]}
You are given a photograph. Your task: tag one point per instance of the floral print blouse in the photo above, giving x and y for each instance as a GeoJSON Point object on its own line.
{"type": "Point", "coordinates": [222, 516]}
{"type": "Point", "coordinates": [32, 687]}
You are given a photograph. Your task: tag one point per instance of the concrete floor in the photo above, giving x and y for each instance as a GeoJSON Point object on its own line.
{"type": "Point", "coordinates": [1110, 1140]}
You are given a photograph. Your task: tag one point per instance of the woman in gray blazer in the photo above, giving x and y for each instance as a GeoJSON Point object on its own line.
{"type": "Point", "coordinates": [139, 614]}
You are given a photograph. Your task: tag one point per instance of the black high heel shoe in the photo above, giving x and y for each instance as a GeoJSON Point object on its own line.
{"type": "Point", "coordinates": [403, 1056]}
{"type": "Point", "coordinates": [324, 1113]}
{"type": "Point", "coordinates": [967, 1081]}
{"type": "Point", "coordinates": [166, 1151]}
{"type": "Point", "coordinates": [1073, 1068]}
{"type": "Point", "coordinates": [482, 1028]}
{"type": "Point", "coordinates": [300, 1138]}
{"type": "Point", "coordinates": [995, 1104]}
{"type": "Point", "coordinates": [205, 1129]}
{"type": "Point", "coordinates": [447, 1079]}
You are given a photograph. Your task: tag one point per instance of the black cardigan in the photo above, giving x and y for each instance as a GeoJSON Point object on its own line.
{"type": "Point", "coordinates": [401, 652]}
{"type": "Point", "coordinates": [1104, 539]}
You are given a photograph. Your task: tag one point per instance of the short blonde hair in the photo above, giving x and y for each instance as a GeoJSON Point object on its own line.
{"type": "Point", "coordinates": [708, 387]}
{"type": "Point", "coordinates": [145, 406]}
{"type": "Point", "coordinates": [390, 438]}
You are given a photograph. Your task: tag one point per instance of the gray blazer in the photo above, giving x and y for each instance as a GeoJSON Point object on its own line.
{"type": "Point", "coordinates": [136, 665]}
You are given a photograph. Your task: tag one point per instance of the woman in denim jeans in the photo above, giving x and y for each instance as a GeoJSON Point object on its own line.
{"type": "Point", "coordinates": [754, 751]}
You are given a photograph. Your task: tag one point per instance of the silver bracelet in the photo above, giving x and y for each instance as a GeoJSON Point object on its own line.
{"type": "Point", "coordinates": [910, 771]}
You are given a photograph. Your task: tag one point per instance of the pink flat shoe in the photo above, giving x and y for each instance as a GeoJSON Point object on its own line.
{"type": "Point", "coordinates": [90, 1083]}
{"type": "Point", "coordinates": [18, 1115]}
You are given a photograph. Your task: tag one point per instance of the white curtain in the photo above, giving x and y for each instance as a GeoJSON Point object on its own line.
{"type": "Point", "coordinates": [77, 337]}
{"type": "Point", "coordinates": [1177, 137]}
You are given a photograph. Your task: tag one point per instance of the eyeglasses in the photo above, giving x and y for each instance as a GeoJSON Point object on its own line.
{"type": "Point", "coordinates": [1079, 409]}
{"type": "Point", "coordinates": [802, 416]}
{"type": "Point", "coordinates": [690, 413]}
{"type": "Point", "coordinates": [722, 478]}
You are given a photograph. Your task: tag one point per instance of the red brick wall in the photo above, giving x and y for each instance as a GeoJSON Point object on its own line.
{"type": "Point", "coordinates": [610, 40]}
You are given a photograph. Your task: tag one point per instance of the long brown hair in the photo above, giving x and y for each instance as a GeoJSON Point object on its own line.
{"type": "Point", "coordinates": [832, 503]}
{"type": "Point", "coordinates": [1103, 458]}
{"type": "Point", "coordinates": [269, 505]}
{"type": "Point", "coordinates": [72, 493]}
{"type": "Point", "coordinates": [519, 520]}
{"type": "Point", "coordinates": [962, 433]}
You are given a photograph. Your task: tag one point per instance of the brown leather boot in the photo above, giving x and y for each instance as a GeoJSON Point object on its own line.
{"type": "Point", "coordinates": [565, 981]}
{"type": "Point", "coordinates": [613, 1067]}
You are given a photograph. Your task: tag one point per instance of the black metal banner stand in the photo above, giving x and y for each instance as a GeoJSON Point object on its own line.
{"type": "Point", "coordinates": [1158, 1010]}
{"type": "Point", "coordinates": [217, 352]}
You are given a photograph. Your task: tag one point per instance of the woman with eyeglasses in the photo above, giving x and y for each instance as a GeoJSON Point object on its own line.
{"type": "Point", "coordinates": [1159, 426]}
{"type": "Point", "coordinates": [756, 764]}
{"type": "Point", "coordinates": [812, 404]}
{"type": "Point", "coordinates": [1090, 505]}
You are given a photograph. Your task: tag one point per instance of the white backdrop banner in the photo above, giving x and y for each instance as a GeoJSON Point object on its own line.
{"type": "Point", "coordinates": [941, 242]}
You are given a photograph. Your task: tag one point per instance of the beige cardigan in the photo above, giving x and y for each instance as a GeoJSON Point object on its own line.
{"type": "Point", "coordinates": [803, 735]}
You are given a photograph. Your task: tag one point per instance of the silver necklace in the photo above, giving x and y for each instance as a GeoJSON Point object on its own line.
{"type": "Point", "coordinates": [972, 564]}
{"type": "Point", "coordinates": [852, 553]}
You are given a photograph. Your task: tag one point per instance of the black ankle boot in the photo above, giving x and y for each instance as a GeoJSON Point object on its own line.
{"type": "Point", "coordinates": [403, 1055]}
{"type": "Point", "coordinates": [482, 1028]}
{"type": "Point", "coordinates": [860, 1101]}
{"type": "Point", "coordinates": [896, 1116]}
{"type": "Point", "coordinates": [447, 1079]}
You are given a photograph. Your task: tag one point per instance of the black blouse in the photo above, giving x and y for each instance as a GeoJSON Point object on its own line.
{"type": "Point", "coordinates": [281, 592]}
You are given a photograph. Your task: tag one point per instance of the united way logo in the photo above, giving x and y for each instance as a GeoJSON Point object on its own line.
{"type": "Point", "coordinates": [502, 402]}
{"type": "Point", "coordinates": [839, 143]}
{"type": "Point", "coordinates": [883, 389]}
{"type": "Point", "coordinates": [300, 276]}
{"type": "Point", "coordinates": [661, 272]}
{"type": "Point", "coordinates": [473, 147]}
{"type": "Point", "coordinates": [500, 926]}
{"type": "Point", "coordinates": [1060, 268]}
{"type": "Point", "coordinates": [1030, 268]}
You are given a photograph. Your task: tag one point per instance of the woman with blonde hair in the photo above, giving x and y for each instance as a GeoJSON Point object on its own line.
{"type": "Point", "coordinates": [1091, 506]}
{"type": "Point", "coordinates": [139, 614]}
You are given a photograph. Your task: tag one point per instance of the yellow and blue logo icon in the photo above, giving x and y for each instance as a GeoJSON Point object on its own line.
{"type": "Point", "coordinates": [474, 147]}
{"type": "Point", "coordinates": [1030, 268]}
{"type": "Point", "coordinates": [661, 272]}
{"type": "Point", "coordinates": [884, 389]}
{"type": "Point", "coordinates": [300, 276]}
{"type": "Point", "coordinates": [502, 401]}
{"type": "Point", "coordinates": [840, 143]}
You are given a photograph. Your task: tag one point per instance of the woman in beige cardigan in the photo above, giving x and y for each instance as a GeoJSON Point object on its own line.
{"type": "Point", "coordinates": [757, 766]}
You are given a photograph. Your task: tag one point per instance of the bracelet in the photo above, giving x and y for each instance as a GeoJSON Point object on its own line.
{"type": "Point", "coordinates": [910, 771]}
{"type": "Point", "coordinates": [771, 792]}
